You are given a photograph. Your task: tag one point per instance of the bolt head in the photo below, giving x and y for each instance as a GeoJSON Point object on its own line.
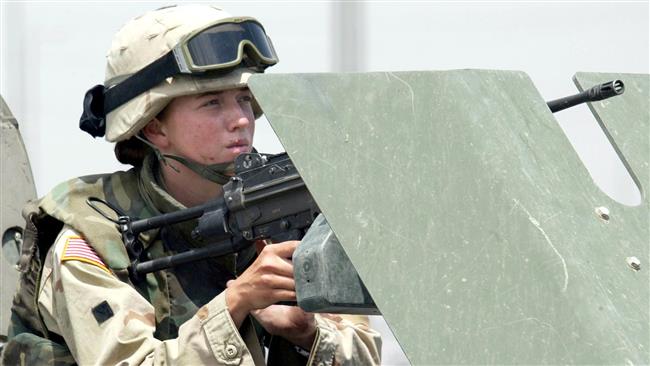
{"type": "Point", "coordinates": [634, 263]}
{"type": "Point", "coordinates": [602, 212]}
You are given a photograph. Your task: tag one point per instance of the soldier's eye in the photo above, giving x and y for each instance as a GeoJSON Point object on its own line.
{"type": "Point", "coordinates": [245, 99]}
{"type": "Point", "coordinates": [211, 102]}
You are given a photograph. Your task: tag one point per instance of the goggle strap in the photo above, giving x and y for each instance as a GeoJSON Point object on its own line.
{"type": "Point", "coordinates": [143, 80]}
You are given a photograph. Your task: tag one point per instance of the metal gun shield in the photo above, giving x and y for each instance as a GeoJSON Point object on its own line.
{"type": "Point", "coordinates": [469, 216]}
{"type": "Point", "coordinates": [17, 188]}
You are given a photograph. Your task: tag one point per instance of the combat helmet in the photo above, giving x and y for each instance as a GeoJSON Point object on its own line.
{"type": "Point", "coordinates": [170, 52]}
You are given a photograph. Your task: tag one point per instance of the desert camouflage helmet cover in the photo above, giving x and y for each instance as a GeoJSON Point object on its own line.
{"type": "Point", "coordinates": [143, 40]}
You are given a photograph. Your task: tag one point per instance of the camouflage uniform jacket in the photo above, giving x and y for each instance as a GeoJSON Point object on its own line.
{"type": "Point", "coordinates": [78, 294]}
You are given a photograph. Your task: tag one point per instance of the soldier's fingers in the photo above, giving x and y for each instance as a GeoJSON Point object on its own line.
{"type": "Point", "coordinates": [284, 249]}
{"type": "Point", "coordinates": [284, 295]}
{"type": "Point", "coordinates": [276, 265]}
{"type": "Point", "coordinates": [277, 282]}
{"type": "Point", "coordinates": [271, 262]}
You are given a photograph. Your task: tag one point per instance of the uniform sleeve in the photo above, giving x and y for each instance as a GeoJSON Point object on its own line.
{"type": "Point", "coordinates": [345, 340]}
{"type": "Point", "coordinates": [105, 321]}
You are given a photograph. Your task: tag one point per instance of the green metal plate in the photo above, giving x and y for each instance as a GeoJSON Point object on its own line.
{"type": "Point", "coordinates": [468, 215]}
{"type": "Point", "coordinates": [16, 189]}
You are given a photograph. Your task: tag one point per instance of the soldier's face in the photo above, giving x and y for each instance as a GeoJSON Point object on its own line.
{"type": "Point", "coordinates": [210, 128]}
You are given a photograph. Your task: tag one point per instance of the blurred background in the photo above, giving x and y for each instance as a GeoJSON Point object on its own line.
{"type": "Point", "coordinates": [52, 52]}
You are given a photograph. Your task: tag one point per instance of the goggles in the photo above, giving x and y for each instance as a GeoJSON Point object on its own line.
{"type": "Point", "coordinates": [222, 45]}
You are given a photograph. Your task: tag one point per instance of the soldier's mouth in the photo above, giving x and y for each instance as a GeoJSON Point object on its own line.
{"type": "Point", "coordinates": [239, 146]}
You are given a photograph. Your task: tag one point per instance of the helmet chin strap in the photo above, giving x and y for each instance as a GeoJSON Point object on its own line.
{"type": "Point", "coordinates": [219, 173]}
{"type": "Point", "coordinates": [216, 173]}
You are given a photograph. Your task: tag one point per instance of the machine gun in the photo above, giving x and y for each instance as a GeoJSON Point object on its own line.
{"type": "Point", "coordinates": [266, 199]}
{"type": "Point", "coordinates": [594, 94]}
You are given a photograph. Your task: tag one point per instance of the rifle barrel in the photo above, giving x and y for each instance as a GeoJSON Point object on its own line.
{"type": "Point", "coordinates": [212, 250]}
{"type": "Point", "coordinates": [139, 226]}
{"type": "Point", "coordinates": [596, 93]}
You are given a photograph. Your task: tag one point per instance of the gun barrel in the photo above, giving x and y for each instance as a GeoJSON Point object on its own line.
{"type": "Point", "coordinates": [594, 94]}
{"type": "Point", "coordinates": [606, 90]}
{"type": "Point", "coordinates": [213, 250]}
{"type": "Point", "coordinates": [172, 218]}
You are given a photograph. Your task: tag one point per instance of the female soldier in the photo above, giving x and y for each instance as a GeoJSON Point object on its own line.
{"type": "Point", "coordinates": [177, 105]}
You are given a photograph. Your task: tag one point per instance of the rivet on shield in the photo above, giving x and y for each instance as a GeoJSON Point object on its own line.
{"type": "Point", "coordinates": [634, 263]}
{"type": "Point", "coordinates": [12, 241]}
{"type": "Point", "coordinates": [602, 212]}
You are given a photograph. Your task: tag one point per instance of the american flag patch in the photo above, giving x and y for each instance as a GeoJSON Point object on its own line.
{"type": "Point", "coordinates": [76, 249]}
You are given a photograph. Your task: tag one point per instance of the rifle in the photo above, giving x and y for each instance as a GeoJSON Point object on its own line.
{"type": "Point", "coordinates": [266, 199]}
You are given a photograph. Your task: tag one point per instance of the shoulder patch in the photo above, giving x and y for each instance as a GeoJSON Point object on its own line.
{"type": "Point", "coordinates": [76, 249]}
{"type": "Point", "coordinates": [102, 312]}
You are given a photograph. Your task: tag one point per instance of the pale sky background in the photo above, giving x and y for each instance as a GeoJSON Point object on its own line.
{"type": "Point", "coordinates": [52, 52]}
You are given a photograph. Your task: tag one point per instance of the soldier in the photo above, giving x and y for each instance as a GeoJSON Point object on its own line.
{"type": "Point", "coordinates": [177, 105]}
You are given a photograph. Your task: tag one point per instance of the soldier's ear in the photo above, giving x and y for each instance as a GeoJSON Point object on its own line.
{"type": "Point", "coordinates": [156, 133]}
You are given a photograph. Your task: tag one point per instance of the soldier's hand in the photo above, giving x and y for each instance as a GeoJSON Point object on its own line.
{"type": "Point", "coordinates": [289, 322]}
{"type": "Point", "coordinates": [267, 281]}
